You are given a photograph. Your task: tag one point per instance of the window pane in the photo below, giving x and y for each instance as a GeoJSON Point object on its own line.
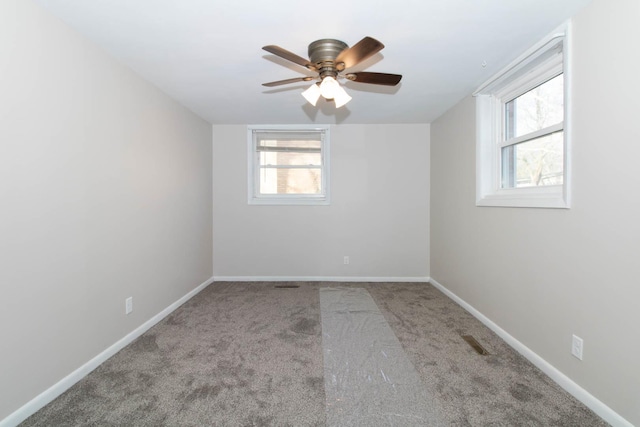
{"type": "Point", "coordinates": [290, 181]}
{"type": "Point", "coordinates": [537, 109]}
{"type": "Point", "coordinates": [289, 165]}
{"type": "Point", "coordinates": [533, 163]}
{"type": "Point", "coordinates": [290, 158]}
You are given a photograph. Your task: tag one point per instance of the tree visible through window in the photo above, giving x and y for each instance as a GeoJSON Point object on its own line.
{"type": "Point", "coordinates": [533, 136]}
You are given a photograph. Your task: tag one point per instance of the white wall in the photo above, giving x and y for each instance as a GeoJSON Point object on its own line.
{"type": "Point", "coordinates": [378, 216]}
{"type": "Point", "coordinates": [543, 274]}
{"type": "Point", "coordinates": [105, 193]}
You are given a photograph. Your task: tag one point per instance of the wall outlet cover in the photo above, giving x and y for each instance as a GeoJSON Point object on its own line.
{"type": "Point", "coordinates": [128, 305]}
{"type": "Point", "coordinates": [577, 346]}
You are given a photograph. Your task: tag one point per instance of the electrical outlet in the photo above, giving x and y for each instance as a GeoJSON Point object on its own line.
{"type": "Point", "coordinates": [128, 305]}
{"type": "Point", "coordinates": [577, 346]}
{"type": "Point", "coordinates": [346, 260]}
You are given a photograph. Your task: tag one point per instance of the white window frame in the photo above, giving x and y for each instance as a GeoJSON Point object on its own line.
{"type": "Point", "coordinates": [534, 67]}
{"type": "Point", "coordinates": [286, 199]}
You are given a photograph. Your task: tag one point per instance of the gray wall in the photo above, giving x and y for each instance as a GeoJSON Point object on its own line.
{"type": "Point", "coordinates": [378, 214]}
{"type": "Point", "coordinates": [543, 274]}
{"type": "Point", "coordinates": [105, 189]}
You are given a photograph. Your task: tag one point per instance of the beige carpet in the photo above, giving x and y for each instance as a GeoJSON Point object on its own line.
{"type": "Point", "coordinates": [250, 354]}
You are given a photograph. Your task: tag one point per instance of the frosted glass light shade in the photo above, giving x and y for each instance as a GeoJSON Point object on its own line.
{"type": "Point", "coordinates": [312, 94]}
{"type": "Point", "coordinates": [329, 87]}
{"type": "Point", "coordinates": [341, 97]}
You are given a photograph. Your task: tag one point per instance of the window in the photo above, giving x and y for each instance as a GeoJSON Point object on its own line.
{"type": "Point", "coordinates": [522, 132]}
{"type": "Point", "coordinates": [288, 165]}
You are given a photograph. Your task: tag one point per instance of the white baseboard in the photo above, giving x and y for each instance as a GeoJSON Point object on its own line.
{"type": "Point", "coordinates": [64, 384]}
{"type": "Point", "coordinates": [317, 279]}
{"type": "Point", "coordinates": [597, 406]}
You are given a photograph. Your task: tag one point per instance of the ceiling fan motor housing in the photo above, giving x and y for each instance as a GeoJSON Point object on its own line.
{"type": "Point", "coordinates": [323, 53]}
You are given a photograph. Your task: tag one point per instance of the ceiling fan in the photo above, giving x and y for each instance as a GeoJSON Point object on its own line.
{"type": "Point", "coordinates": [330, 58]}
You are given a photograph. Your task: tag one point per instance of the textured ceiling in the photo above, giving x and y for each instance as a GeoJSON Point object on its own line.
{"type": "Point", "coordinates": [207, 54]}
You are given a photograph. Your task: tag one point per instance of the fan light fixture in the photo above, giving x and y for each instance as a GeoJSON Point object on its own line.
{"type": "Point", "coordinates": [328, 89]}
{"type": "Point", "coordinates": [330, 58]}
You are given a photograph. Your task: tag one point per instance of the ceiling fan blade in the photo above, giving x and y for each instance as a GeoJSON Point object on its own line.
{"type": "Point", "coordinates": [287, 81]}
{"type": "Point", "coordinates": [289, 56]}
{"type": "Point", "coordinates": [375, 78]}
{"type": "Point", "coordinates": [359, 52]}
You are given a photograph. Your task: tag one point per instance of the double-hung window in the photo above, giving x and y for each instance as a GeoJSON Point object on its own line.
{"type": "Point", "coordinates": [288, 165]}
{"type": "Point", "coordinates": [522, 132]}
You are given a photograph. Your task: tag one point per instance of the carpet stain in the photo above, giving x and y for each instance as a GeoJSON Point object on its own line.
{"type": "Point", "coordinates": [257, 327]}
{"type": "Point", "coordinates": [453, 366]}
{"type": "Point", "coordinates": [287, 336]}
{"type": "Point", "coordinates": [204, 392]}
{"type": "Point", "coordinates": [116, 379]}
{"type": "Point", "coordinates": [484, 383]}
{"type": "Point", "coordinates": [149, 404]}
{"type": "Point", "coordinates": [315, 383]}
{"type": "Point", "coordinates": [523, 418]}
{"type": "Point", "coordinates": [235, 376]}
{"type": "Point", "coordinates": [524, 393]}
{"type": "Point", "coordinates": [258, 421]}
{"type": "Point", "coordinates": [146, 343]}
{"type": "Point", "coordinates": [301, 362]}
{"type": "Point", "coordinates": [494, 361]}
{"type": "Point", "coordinates": [220, 345]}
{"type": "Point", "coordinates": [305, 326]}
{"type": "Point", "coordinates": [87, 389]}
{"type": "Point", "coordinates": [145, 380]}
{"type": "Point", "coordinates": [176, 319]}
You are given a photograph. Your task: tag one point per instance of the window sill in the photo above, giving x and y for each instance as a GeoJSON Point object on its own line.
{"type": "Point", "coordinates": [293, 201]}
{"type": "Point", "coordinates": [552, 197]}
